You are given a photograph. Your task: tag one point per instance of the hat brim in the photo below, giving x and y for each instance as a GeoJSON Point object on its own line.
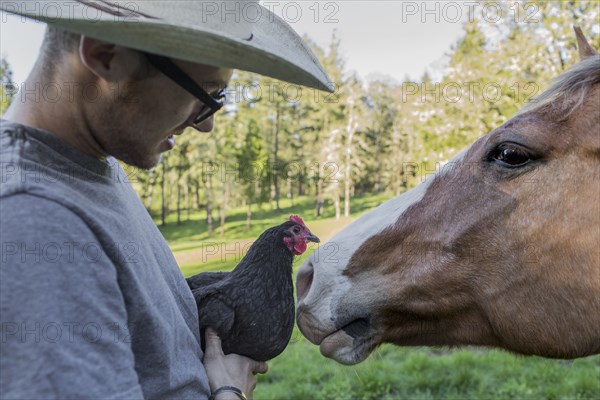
{"type": "Point", "coordinates": [273, 49]}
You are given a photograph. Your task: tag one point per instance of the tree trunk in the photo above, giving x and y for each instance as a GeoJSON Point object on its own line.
{"type": "Point", "coordinates": [276, 159]}
{"type": "Point", "coordinates": [209, 205]}
{"type": "Point", "coordinates": [249, 215]}
{"type": "Point", "coordinates": [350, 130]}
{"type": "Point", "coordinates": [150, 192]}
{"type": "Point", "coordinates": [163, 207]}
{"type": "Point", "coordinates": [300, 188]}
{"type": "Point", "coordinates": [178, 195]}
{"type": "Point", "coordinates": [379, 186]}
{"type": "Point", "coordinates": [223, 209]}
{"type": "Point", "coordinates": [319, 195]}
{"type": "Point", "coordinates": [188, 191]}
{"type": "Point", "coordinates": [171, 195]}
{"type": "Point", "coordinates": [336, 202]}
{"type": "Point", "coordinates": [196, 194]}
{"type": "Point", "coordinates": [347, 185]}
{"type": "Point", "coordinates": [395, 167]}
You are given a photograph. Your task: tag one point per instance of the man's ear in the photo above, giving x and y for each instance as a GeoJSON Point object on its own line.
{"type": "Point", "coordinates": [107, 61]}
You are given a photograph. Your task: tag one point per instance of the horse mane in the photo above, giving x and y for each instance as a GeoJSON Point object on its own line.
{"type": "Point", "coordinates": [568, 90]}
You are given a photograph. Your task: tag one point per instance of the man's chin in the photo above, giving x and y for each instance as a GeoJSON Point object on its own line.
{"type": "Point", "coordinates": [145, 162]}
{"type": "Point", "coordinates": [150, 163]}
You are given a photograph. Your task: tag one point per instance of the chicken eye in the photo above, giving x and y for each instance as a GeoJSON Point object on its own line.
{"type": "Point", "coordinates": [511, 155]}
{"type": "Point", "coordinates": [296, 229]}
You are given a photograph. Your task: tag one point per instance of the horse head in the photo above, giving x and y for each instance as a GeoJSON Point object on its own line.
{"type": "Point", "coordinates": [500, 248]}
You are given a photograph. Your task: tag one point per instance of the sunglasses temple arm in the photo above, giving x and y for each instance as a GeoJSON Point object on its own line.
{"type": "Point", "coordinates": [171, 70]}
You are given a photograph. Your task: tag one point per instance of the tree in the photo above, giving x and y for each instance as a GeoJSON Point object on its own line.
{"type": "Point", "coordinates": [353, 99]}
{"type": "Point", "coordinates": [182, 166]}
{"type": "Point", "coordinates": [164, 169]}
{"type": "Point", "coordinates": [252, 159]}
{"type": "Point", "coordinates": [377, 149]}
{"type": "Point", "coordinates": [331, 118]}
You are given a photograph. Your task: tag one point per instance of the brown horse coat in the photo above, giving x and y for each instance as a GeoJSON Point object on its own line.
{"type": "Point", "coordinates": [502, 248]}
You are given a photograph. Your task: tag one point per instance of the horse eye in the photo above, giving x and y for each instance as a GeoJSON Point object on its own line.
{"type": "Point", "coordinates": [511, 155]}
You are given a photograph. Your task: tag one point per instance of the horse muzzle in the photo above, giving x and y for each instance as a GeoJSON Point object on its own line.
{"type": "Point", "coordinates": [351, 344]}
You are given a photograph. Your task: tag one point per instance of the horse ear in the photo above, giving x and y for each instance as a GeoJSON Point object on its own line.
{"type": "Point", "coordinates": [585, 50]}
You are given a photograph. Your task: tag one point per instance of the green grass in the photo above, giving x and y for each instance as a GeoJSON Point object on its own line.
{"type": "Point", "coordinates": [424, 373]}
{"type": "Point", "coordinates": [390, 372]}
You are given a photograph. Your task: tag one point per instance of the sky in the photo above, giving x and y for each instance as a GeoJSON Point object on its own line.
{"type": "Point", "coordinates": [380, 39]}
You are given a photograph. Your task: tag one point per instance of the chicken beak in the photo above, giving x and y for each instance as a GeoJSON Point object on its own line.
{"type": "Point", "coordinates": [312, 238]}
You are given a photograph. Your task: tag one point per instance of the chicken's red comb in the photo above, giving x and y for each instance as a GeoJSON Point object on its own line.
{"type": "Point", "coordinates": [296, 218]}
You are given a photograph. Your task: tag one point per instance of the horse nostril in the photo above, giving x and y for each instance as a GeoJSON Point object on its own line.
{"type": "Point", "coordinates": [304, 280]}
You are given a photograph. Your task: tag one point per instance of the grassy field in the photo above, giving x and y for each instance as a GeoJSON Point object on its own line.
{"type": "Point", "coordinates": [421, 373]}
{"type": "Point", "coordinates": [391, 372]}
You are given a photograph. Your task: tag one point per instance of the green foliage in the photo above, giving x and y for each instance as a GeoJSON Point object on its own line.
{"type": "Point", "coordinates": [252, 158]}
{"type": "Point", "coordinates": [7, 87]}
{"type": "Point", "coordinates": [367, 137]}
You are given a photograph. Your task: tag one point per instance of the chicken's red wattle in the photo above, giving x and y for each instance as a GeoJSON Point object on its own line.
{"type": "Point", "coordinates": [299, 247]}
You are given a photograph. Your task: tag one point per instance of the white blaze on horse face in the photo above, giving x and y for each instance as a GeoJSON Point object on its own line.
{"type": "Point", "coordinates": [320, 296]}
{"type": "Point", "coordinates": [329, 261]}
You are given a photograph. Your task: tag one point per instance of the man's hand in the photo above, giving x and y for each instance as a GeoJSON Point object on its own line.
{"type": "Point", "coordinates": [229, 370]}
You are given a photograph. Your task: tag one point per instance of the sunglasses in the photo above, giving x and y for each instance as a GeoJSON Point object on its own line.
{"type": "Point", "coordinates": [211, 104]}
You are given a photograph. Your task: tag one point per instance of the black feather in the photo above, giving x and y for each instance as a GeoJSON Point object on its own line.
{"type": "Point", "coordinates": [252, 307]}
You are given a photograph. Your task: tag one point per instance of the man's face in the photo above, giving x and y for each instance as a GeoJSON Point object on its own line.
{"type": "Point", "coordinates": [143, 115]}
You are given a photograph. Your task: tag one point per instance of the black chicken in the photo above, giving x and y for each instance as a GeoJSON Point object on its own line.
{"type": "Point", "coordinates": [252, 307]}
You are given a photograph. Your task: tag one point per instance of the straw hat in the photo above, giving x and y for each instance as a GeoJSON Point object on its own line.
{"type": "Point", "coordinates": [237, 34]}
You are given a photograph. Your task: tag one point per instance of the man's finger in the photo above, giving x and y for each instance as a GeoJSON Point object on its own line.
{"type": "Point", "coordinates": [213, 343]}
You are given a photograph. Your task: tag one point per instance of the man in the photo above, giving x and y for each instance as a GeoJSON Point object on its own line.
{"type": "Point", "coordinates": [93, 304]}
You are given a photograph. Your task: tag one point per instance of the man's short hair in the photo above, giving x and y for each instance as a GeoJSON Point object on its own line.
{"type": "Point", "coordinates": [57, 43]}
